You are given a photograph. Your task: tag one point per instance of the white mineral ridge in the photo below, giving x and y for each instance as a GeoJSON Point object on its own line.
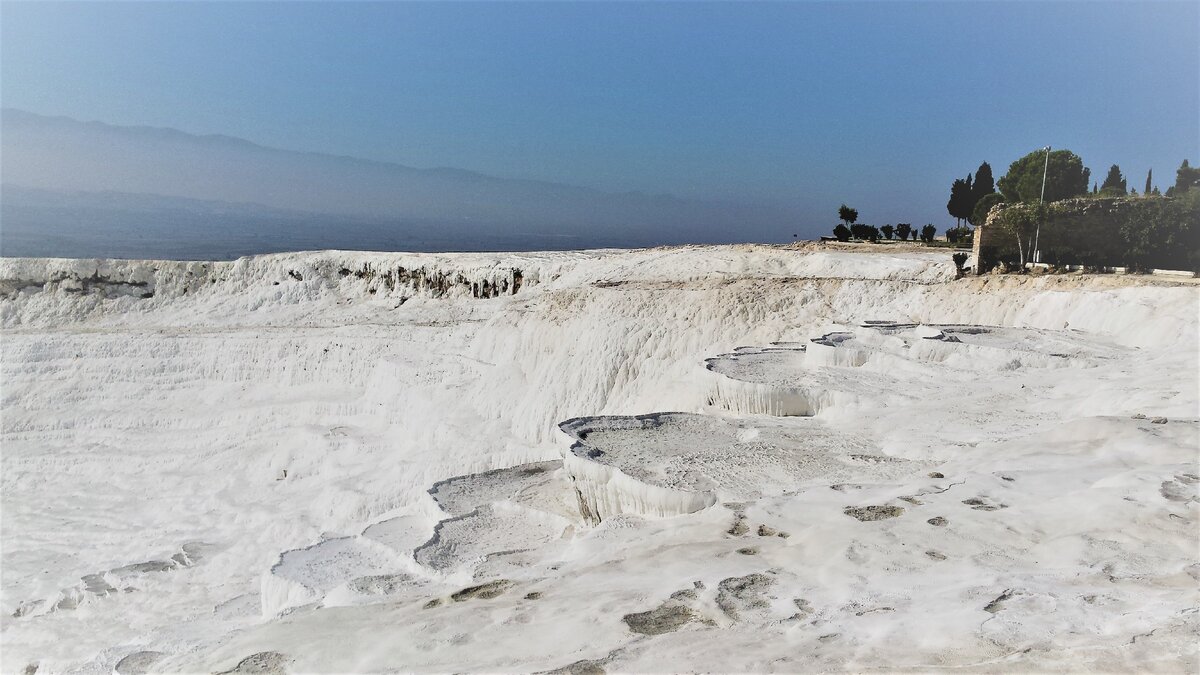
{"type": "Point", "coordinates": [279, 422]}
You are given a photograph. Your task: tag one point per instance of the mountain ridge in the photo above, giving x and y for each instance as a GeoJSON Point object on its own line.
{"type": "Point", "coordinates": [173, 133]}
{"type": "Point", "coordinates": [432, 209]}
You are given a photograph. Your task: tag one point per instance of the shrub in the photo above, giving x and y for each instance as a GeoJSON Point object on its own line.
{"type": "Point", "coordinates": [928, 233]}
{"type": "Point", "coordinates": [1162, 233]}
{"type": "Point", "coordinates": [956, 234]}
{"type": "Point", "coordinates": [841, 232]}
{"type": "Point", "coordinates": [960, 259]}
{"type": "Point", "coordinates": [865, 232]}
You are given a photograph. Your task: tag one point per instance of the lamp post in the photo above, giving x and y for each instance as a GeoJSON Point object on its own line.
{"type": "Point", "coordinates": [1037, 253]}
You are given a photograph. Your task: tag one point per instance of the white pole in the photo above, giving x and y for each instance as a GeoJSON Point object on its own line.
{"type": "Point", "coordinates": [1037, 253]}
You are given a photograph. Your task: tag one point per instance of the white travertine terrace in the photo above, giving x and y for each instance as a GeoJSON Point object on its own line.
{"type": "Point", "coordinates": [362, 451]}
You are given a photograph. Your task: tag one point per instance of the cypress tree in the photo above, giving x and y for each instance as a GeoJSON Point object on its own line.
{"type": "Point", "coordinates": [962, 200]}
{"type": "Point", "coordinates": [984, 184]}
{"type": "Point", "coordinates": [1114, 182]}
{"type": "Point", "coordinates": [1186, 178]}
{"type": "Point", "coordinates": [1149, 174]}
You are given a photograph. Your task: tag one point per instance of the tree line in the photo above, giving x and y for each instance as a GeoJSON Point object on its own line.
{"type": "Point", "coordinates": [850, 228]}
{"type": "Point", "coordinates": [1054, 175]}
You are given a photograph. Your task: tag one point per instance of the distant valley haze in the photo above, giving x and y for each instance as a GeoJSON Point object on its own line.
{"type": "Point", "coordinates": [74, 188]}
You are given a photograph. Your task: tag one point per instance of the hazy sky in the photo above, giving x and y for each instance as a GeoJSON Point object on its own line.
{"type": "Point", "coordinates": [807, 104]}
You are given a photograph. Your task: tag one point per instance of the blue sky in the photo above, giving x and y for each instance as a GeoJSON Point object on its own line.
{"type": "Point", "coordinates": [879, 105]}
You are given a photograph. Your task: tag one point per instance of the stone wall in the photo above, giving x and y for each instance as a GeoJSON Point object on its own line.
{"type": "Point", "coordinates": [1083, 231]}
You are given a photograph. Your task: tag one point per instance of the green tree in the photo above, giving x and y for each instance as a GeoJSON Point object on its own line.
{"type": "Point", "coordinates": [902, 230]}
{"type": "Point", "coordinates": [1149, 175]}
{"type": "Point", "coordinates": [984, 183]}
{"type": "Point", "coordinates": [1021, 221]}
{"type": "Point", "coordinates": [1066, 177]}
{"type": "Point", "coordinates": [841, 232]}
{"type": "Point", "coordinates": [847, 214]}
{"type": "Point", "coordinates": [1114, 184]}
{"type": "Point", "coordinates": [961, 199]}
{"type": "Point", "coordinates": [983, 207]}
{"type": "Point", "coordinates": [1186, 178]}
{"type": "Point", "coordinates": [928, 233]}
{"type": "Point", "coordinates": [887, 231]}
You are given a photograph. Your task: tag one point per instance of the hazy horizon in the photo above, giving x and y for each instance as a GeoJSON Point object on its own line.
{"type": "Point", "coordinates": [89, 189]}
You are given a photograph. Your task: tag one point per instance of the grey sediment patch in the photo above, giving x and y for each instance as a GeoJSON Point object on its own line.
{"type": "Point", "coordinates": [380, 584]}
{"type": "Point", "coordinates": [872, 459]}
{"type": "Point", "coordinates": [873, 513]}
{"type": "Point", "coordinates": [666, 618]}
{"type": "Point", "coordinates": [803, 609]}
{"type": "Point", "coordinates": [584, 667]}
{"type": "Point", "coordinates": [1180, 489]}
{"type": "Point", "coordinates": [980, 504]}
{"type": "Point", "coordinates": [484, 532]}
{"type": "Point", "coordinates": [262, 663]}
{"type": "Point", "coordinates": [684, 594]}
{"type": "Point", "coordinates": [738, 594]}
{"type": "Point", "coordinates": [739, 527]}
{"type": "Point", "coordinates": [138, 663]}
{"type": "Point", "coordinates": [938, 521]}
{"type": "Point", "coordinates": [740, 524]}
{"type": "Point", "coordinates": [460, 495]}
{"type": "Point", "coordinates": [998, 604]}
{"type": "Point", "coordinates": [491, 589]}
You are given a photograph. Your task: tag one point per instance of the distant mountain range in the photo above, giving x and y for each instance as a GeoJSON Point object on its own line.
{"type": "Point", "coordinates": [61, 176]}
